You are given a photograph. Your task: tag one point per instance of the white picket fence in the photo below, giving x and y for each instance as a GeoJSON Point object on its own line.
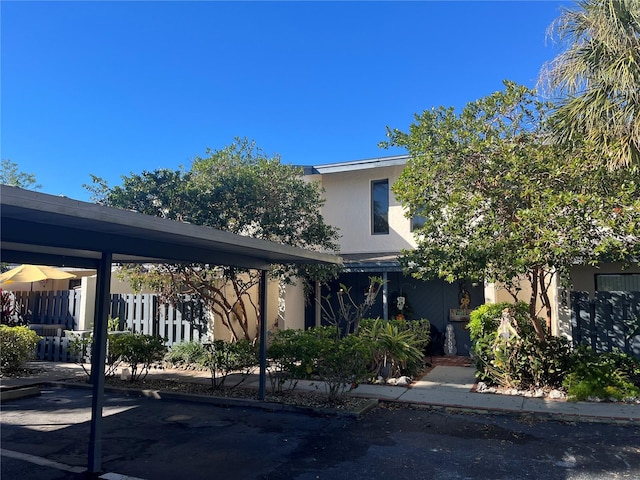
{"type": "Point", "coordinates": [139, 313]}
{"type": "Point", "coordinates": [184, 321]}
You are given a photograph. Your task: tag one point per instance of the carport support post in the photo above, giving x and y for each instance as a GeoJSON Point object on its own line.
{"type": "Point", "coordinates": [263, 335]}
{"type": "Point", "coordinates": [98, 358]}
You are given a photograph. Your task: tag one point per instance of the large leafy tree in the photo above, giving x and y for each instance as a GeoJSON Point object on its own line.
{"type": "Point", "coordinates": [238, 189]}
{"type": "Point", "coordinates": [597, 78]}
{"type": "Point", "coordinates": [504, 204]}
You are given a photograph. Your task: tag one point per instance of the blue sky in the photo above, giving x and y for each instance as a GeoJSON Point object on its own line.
{"type": "Point", "coordinates": [111, 88]}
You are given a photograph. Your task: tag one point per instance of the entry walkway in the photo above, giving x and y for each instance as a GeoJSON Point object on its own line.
{"type": "Point", "coordinates": [448, 387]}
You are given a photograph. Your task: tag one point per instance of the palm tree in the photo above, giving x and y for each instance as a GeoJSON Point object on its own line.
{"type": "Point", "coordinates": [597, 78]}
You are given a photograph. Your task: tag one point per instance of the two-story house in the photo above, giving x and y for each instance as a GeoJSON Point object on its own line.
{"type": "Point", "coordinates": [374, 230]}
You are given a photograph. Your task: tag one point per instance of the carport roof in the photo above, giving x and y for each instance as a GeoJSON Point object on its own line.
{"type": "Point", "coordinates": [53, 230]}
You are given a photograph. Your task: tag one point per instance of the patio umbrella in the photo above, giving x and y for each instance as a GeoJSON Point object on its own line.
{"type": "Point", "coordinates": [33, 273]}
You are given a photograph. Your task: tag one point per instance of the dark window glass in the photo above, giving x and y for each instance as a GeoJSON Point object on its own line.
{"type": "Point", "coordinates": [623, 282]}
{"type": "Point", "coordinates": [380, 206]}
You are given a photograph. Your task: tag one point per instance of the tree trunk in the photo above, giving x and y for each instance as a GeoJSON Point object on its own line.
{"type": "Point", "coordinates": [534, 277]}
{"type": "Point", "coordinates": [544, 296]}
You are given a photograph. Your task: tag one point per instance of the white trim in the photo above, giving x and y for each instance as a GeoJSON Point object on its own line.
{"type": "Point", "coordinates": [360, 164]}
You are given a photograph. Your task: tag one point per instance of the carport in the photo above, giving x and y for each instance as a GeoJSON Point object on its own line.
{"type": "Point", "coordinates": [58, 231]}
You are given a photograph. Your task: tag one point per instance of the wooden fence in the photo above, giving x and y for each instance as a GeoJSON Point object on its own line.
{"type": "Point", "coordinates": [48, 308]}
{"type": "Point", "coordinates": [184, 321]}
{"type": "Point", "coordinates": [610, 321]}
{"type": "Point", "coordinates": [144, 313]}
{"type": "Point", "coordinates": [55, 349]}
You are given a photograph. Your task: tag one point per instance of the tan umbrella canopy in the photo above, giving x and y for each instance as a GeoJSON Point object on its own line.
{"type": "Point", "coordinates": [33, 273]}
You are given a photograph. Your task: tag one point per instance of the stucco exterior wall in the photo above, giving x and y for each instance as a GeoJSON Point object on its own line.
{"type": "Point", "coordinates": [496, 293]}
{"type": "Point", "coordinates": [294, 307]}
{"type": "Point", "coordinates": [348, 207]}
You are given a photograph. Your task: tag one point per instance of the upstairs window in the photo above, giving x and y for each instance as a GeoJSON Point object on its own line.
{"type": "Point", "coordinates": [380, 206]}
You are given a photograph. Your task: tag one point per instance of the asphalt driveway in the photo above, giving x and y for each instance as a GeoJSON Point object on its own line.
{"type": "Point", "coordinates": [153, 439]}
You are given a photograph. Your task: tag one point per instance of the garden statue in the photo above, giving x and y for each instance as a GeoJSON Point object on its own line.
{"type": "Point", "coordinates": [506, 330]}
{"type": "Point", "coordinates": [465, 300]}
{"type": "Point", "coordinates": [400, 303]}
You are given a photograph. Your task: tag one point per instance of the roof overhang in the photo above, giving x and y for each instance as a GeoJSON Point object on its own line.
{"type": "Point", "coordinates": [52, 230]}
{"type": "Point", "coordinates": [371, 262]}
{"type": "Point", "coordinates": [356, 165]}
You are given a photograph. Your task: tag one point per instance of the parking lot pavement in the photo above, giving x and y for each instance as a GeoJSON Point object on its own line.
{"type": "Point", "coordinates": [150, 439]}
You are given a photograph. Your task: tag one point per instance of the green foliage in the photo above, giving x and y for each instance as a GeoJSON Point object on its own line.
{"type": "Point", "coordinates": [187, 354]}
{"type": "Point", "coordinates": [224, 358]}
{"type": "Point", "coordinates": [10, 174]}
{"type": "Point", "coordinates": [239, 189]}
{"type": "Point", "coordinates": [293, 354]}
{"type": "Point", "coordinates": [395, 346]}
{"type": "Point", "coordinates": [343, 363]}
{"type": "Point", "coordinates": [137, 350]}
{"type": "Point", "coordinates": [113, 324]}
{"type": "Point", "coordinates": [421, 330]}
{"type": "Point", "coordinates": [511, 354]}
{"type": "Point", "coordinates": [340, 362]}
{"type": "Point", "coordinates": [17, 346]}
{"type": "Point", "coordinates": [502, 202]}
{"type": "Point", "coordinates": [596, 78]}
{"type": "Point", "coordinates": [607, 376]}
{"type": "Point", "coordinates": [80, 351]}
{"type": "Point", "coordinates": [527, 362]}
{"type": "Point", "coordinates": [485, 320]}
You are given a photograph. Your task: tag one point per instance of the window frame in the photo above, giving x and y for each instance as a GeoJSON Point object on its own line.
{"type": "Point", "coordinates": [384, 217]}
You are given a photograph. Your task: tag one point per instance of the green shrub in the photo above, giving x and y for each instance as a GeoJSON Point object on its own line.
{"type": "Point", "coordinates": [485, 319]}
{"type": "Point", "coordinates": [114, 324]}
{"type": "Point", "coordinates": [80, 351]}
{"type": "Point", "coordinates": [293, 354]}
{"type": "Point", "coordinates": [17, 346]}
{"type": "Point", "coordinates": [611, 375]}
{"type": "Point", "coordinates": [394, 348]}
{"type": "Point", "coordinates": [188, 354]}
{"type": "Point", "coordinates": [421, 330]}
{"type": "Point", "coordinates": [143, 351]}
{"type": "Point", "coordinates": [224, 358]}
{"type": "Point", "coordinates": [138, 351]}
{"type": "Point", "coordinates": [518, 359]}
{"type": "Point", "coordinates": [343, 364]}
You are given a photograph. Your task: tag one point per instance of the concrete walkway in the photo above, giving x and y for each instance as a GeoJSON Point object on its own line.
{"type": "Point", "coordinates": [443, 387]}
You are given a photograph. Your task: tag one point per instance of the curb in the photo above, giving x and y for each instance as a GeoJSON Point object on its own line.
{"type": "Point", "coordinates": [15, 393]}
{"type": "Point", "coordinates": [543, 416]}
{"type": "Point", "coordinates": [227, 401]}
